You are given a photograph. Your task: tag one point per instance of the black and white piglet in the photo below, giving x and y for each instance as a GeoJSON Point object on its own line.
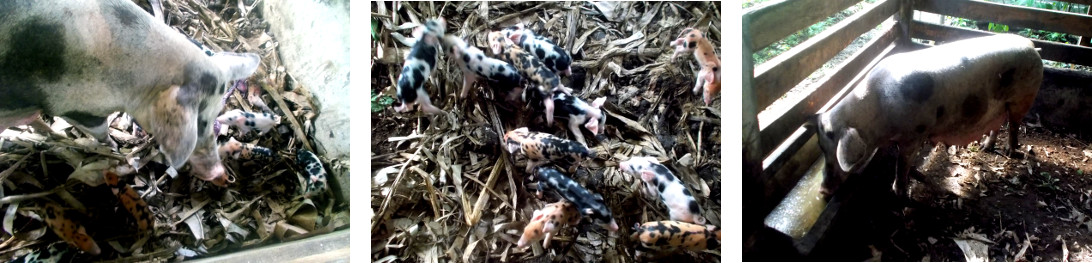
{"type": "Point", "coordinates": [554, 57]}
{"type": "Point", "coordinates": [577, 111]}
{"type": "Point", "coordinates": [588, 203]}
{"type": "Point", "coordinates": [476, 65]}
{"type": "Point", "coordinates": [419, 65]}
{"type": "Point", "coordinates": [545, 80]}
{"type": "Point", "coordinates": [657, 178]}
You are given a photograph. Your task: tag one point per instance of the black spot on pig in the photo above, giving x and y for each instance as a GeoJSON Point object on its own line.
{"type": "Point", "coordinates": [693, 36]}
{"type": "Point", "coordinates": [692, 45]}
{"type": "Point", "coordinates": [1004, 85]}
{"type": "Point", "coordinates": [125, 15]}
{"type": "Point", "coordinates": [466, 59]}
{"type": "Point", "coordinates": [479, 56]}
{"type": "Point", "coordinates": [661, 187]}
{"type": "Point", "coordinates": [694, 207]}
{"type": "Point", "coordinates": [84, 118]}
{"type": "Point", "coordinates": [973, 108]}
{"type": "Point", "coordinates": [918, 86]}
{"type": "Point", "coordinates": [36, 52]}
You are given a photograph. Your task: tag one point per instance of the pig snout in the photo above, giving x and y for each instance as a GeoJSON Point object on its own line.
{"type": "Point", "coordinates": [209, 168]}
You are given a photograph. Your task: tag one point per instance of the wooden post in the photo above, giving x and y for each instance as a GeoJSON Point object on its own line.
{"type": "Point", "coordinates": [905, 17]}
{"type": "Point", "coordinates": [753, 183]}
{"type": "Point", "coordinates": [1083, 40]}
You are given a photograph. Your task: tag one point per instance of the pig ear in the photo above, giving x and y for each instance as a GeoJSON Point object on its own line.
{"type": "Point", "coordinates": [647, 175]}
{"type": "Point", "coordinates": [852, 151]}
{"type": "Point", "coordinates": [236, 66]}
{"type": "Point", "coordinates": [598, 102]}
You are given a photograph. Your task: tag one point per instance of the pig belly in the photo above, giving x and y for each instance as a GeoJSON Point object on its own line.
{"type": "Point", "coordinates": [967, 136]}
{"type": "Point", "coordinates": [17, 118]}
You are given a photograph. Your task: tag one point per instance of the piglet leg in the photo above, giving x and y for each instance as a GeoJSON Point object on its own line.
{"type": "Point", "coordinates": [575, 127]}
{"type": "Point", "coordinates": [426, 103]}
{"type": "Point", "coordinates": [468, 82]}
{"type": "Point", "coordinates": [549, 110]}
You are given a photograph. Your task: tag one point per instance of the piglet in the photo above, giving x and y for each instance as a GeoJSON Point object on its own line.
{"type": "Point", "coordinates": [577, 111]}
{"type": "Point", "coordinates": [546, 222]}
{"type": "Point", "coordinates": [552, 56]}
{"type": "Point", "coordinates": [658, 179]}
{"type": "Point", "coordinates": [476, 65]}
{"type": "Point", "coordinates": [315, 181]}
{"type": "Point", "coordinates": [418, 67]}
{"type": "Point", "coordinates": [691, 40]}
{"type": "Point", "coordinates": [247, 121]}
{"type": "Point", "coordinates": [246, 151]}
{"type": "Point", "coordinates": [60, 221]}
{"type": "Point", "coordinates": [670, 237]}
{"type": "Point", "coordinates": [545, 80]}
{"type": "Point", "coordinates": [131, 201]}
{"type": "Point", "coordinates": [951, 93]}
{"type": "Point", "coordinates": [540, 148]}
{"type": "Point", "coordinates": [84, 60]}
{"type": "Point", "coordinates": [587, 203]}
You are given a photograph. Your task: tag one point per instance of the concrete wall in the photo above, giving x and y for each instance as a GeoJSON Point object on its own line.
{"type": "Point", "coordinates": [314, 46]}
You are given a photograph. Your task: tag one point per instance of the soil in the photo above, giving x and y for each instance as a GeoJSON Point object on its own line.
{"type": "Point", "coordinates": [1024, 214]}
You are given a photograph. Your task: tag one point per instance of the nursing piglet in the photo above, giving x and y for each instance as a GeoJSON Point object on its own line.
{"type": "Point", "coordinates": [84, 60]}
{"type": "Point", "coordinates": [418, 67]}
{"type": "Point", "coordinates": [951, 93]}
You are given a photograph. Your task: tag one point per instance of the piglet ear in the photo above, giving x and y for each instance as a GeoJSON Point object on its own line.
{"type": "Point", "coordinates": [236, 66]}
{"type": "Point", "coordinates": [598, 102]}
{"type": "Point", "coordinates": [647, 175]}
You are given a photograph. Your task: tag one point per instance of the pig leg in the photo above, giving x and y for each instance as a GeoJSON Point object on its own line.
{"type": "Point", "coordinates": [903, 166]}
{"type": "Point", "coordinates": [426, 102]}
{"type": "Point", "coordinates": [549, 110]}
{"type": "Point", "coordinates": [95, 126]}
{"type": "Point", "coordinates": [990, 140]}
{"type": "Point", "coordinates": [574, 126]}
{"type": "Point", "coordinates": [468, 82]}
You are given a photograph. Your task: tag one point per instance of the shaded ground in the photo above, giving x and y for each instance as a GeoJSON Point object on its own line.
{"type": "Point", "coordinates": [621, 51]}
{"type": "Point", "coordinates": [1028, 209]}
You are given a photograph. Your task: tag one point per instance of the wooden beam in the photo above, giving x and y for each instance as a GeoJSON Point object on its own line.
{"type": "Point", "coordinates": [775, 21]}
{"type": "Point", "coordinates": [1011, 15]}
{"type": "Point", "coordinates": [785, 150]}
{"type": "Point", "coordinates": [1050, 50]}
{"type": "Point", "coordinates": [752, 147]}
{"type": "Point", "coordinates": [780, 74]}
{"type": "Point", "coordinates": [1083, 2]}
{"type": "Point", "coordinates": [780, 125]}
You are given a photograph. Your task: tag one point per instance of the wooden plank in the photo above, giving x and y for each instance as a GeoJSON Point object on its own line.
{"type": "Point", "coordinates": [784, 123]}
{"type": "Point", "coordinates": [785, 150]}
{"type": "Point", "coordinates": [1011, 15]}
{"type": "Point", "coordinates": [777, 76]}
{"type": "Point", "coordinates": [1083, 2]}
{"type": "Point", "coordinates": [1050, 50]}
{"type": "Point", "coordinates": [777, 20]}
{"type": "Point", "coordinates": [752, 148]}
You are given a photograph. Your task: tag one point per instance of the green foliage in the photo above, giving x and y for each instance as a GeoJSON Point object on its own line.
{"type": "Point", "coordinates": [998, 28]}
{"type": "Point", "coordinates": [1049, 181]}
{"type": "Point", "coordinates": [375, 29]}
{"type": "Point", "coordinates": [381, 101]}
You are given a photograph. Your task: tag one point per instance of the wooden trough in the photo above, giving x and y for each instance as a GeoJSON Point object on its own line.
{"type": "Point", "coordinates": [781, 159]}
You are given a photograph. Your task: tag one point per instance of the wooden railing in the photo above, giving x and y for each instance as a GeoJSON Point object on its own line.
{"type": "Point", "coordinates": [777, 153]}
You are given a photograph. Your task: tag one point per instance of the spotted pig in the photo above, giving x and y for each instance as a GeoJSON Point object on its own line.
{"type": "Point", "coordinates": [84, 60]}
{"type": "Point", "coordinates": [476, 65]}
{"type": "Point", "coordinates": [552, 56]}
{"type": "Point", "coordinates": [60, 221]}
{"type": "Point", "coordinates": [316, 175]}
{"type": "Point", "coordinates": [577, 111]}
{"type": "Point", "coordinates": [546, 222]}
{"type": "Point", "coordinates": [246, 151]}
{"type": "Point", "coordinates": [545, 81]}
{"type": "Point", "coordinates": [951, 93]}
{"type": "Point", "coordinates": [659, 181]}
{"type": "Point", "coordinates": [244, 122]}
{"type": "Point", "coordinates": [670, 237]}
{"type": "Point", "coordinates": [540, 148]}
{"type": "Point", "coordinates": [418, 67]}
{"type": "Point", "coordinates": [131, 201]}
{"type": "Point", "coordinates": [691, 40]}
{"type": "Point", "coordinates": [587, 203]}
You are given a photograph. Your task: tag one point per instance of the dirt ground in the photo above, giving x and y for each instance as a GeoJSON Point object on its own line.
{"type": "Point", "coordinates": [1033, 207]}
{"type": "Point", "coordinates": [620, 51]}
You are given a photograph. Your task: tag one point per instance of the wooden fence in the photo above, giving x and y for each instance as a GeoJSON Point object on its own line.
{"type": "Point", "coordinates": [778, 153]}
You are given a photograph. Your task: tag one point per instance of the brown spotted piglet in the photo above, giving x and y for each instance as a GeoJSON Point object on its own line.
{"type": "Point", "coordinates": [552, 56]}
{"type": "Point", "coordinates": [659, 181]}
{"type": "Point", "coordinates": [545, 81]}
{"type": "Point", "coordinates": [546, 222]}
{"type": "Point", "coordinates": [691, 40]}
{"type": "Point", "coordinates": [476, 66]}
{"type": "Point", "coordinates": [587, 203]}
{"type": "Point", "coordinates": [418, 67]}
{"type": "Point", "coordinates": [670, 237]}
{"type": "Point", "coordinates": [541, 148]}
